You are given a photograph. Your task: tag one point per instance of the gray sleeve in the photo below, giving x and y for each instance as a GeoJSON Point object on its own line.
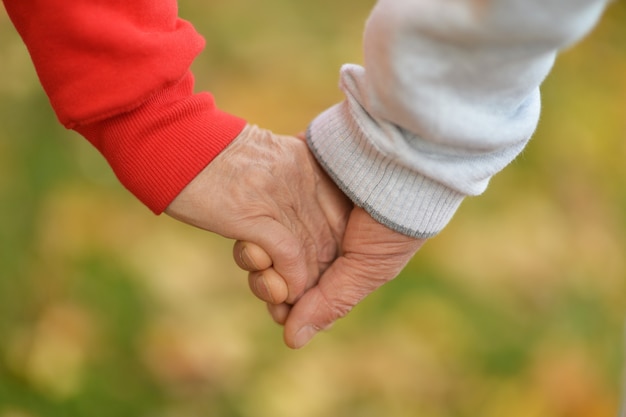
{"type": "Point", "coordinates": [447, 97]}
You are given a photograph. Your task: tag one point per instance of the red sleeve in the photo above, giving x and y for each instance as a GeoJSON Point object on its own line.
{"type": "Point", "coordinates": [117, 71]}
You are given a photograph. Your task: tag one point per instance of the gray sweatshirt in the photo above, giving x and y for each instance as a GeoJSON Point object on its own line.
{"type": "Point", "coordinates": [448, 96]}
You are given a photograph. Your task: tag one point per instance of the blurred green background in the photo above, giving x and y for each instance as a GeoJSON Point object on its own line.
{"type": "Point", "coordinates": [516, 309]}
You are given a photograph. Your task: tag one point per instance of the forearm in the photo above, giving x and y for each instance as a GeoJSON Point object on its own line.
{"type": "Point", "coordinates": [118, 73]}
{"type": "Point", "coordinates": [448, 96]}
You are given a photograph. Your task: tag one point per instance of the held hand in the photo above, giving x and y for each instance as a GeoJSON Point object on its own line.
{"type": "Point", "coordinates": [372, 255]}
{"type": "Point", "coordinates": [268, 191]}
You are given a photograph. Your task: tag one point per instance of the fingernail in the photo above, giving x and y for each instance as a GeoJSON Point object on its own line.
{"type": "Point", "coordinates": [244, 257]}
{"type": "Point", "coordinates": [264, 289]}
{"type": "Point", "coordinates": [304, 336]}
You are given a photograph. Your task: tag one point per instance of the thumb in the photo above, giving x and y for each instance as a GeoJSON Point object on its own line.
{"type": "Point", "coordinates": [373, 255]}
{"type": "Point", "coordinates": [341, 288]}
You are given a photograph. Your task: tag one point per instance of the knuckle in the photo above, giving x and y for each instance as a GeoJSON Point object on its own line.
{"type": "Point", "coordinates": [291, 252]}
{"type": "Point", "coordinates": [377, 270]}
{"type": "Point", "coordinates": [340, 303]}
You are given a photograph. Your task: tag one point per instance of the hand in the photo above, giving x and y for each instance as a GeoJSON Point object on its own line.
{"type": "Point", "coordinates": [372, 255]}
{"type": "Point", "coordinates": [268, 191]}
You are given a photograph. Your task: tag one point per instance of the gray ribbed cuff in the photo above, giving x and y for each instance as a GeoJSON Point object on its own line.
{"type": "Point", "coordinates": [393, 194]}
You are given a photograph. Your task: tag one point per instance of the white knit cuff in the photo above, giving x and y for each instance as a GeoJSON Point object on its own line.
{"type": "Point", "coordinates": [392, 193]}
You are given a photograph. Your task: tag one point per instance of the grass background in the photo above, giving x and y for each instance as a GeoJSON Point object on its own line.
{"type": "Point", "coordinates": [516, 309]}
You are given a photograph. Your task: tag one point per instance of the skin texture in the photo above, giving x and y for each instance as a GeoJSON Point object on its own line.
{"type": "Point", "coordinates": [371, 255]}
{"type": "Point", "coordinates": [267, 190]}
{"type": "Point", "coordinates": [311, 255]}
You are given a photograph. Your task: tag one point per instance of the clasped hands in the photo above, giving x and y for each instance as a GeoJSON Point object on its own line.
{"type": "Point", "coordinates": [310, 253]}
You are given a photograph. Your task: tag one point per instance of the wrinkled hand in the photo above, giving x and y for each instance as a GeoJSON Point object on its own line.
{"type": "Point", "coordinates": [267, 190]}
{"type": "Point", "coordinates": [372, 255]}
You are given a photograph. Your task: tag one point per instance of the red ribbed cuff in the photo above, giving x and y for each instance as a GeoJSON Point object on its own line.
{"type": "Point", "coordinates": [158, 148]}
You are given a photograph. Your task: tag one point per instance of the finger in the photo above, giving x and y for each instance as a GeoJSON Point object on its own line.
{"type": "Point", "coordinates": [313, 226]}
{"type": "Point", "coordinates": [286, 252]}
{"type": "Point", "coordinates": [315, 212]}
{"type": "Point", "coordinates": [250, 257]}
{"type": "Point", "coordinates": [279, 312]}
{"type": "Point", "coordinates": [268, 285]}
{"type": "Point", "coordinates": [374, 255]}
{"type": "Point", "coordinates": [341, 288]}
{"type": "Point", "coordinates": [335, 205]}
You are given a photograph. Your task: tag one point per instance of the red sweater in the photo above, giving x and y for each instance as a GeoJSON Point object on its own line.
{"type": "Point", "coordinates": [117, 71]}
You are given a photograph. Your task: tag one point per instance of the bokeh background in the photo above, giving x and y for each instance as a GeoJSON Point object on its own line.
{"type": "Point", "coordinates": [516, 309]}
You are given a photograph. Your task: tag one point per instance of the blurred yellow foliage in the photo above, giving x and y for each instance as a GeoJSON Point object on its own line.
{"type": "Point", "coordinates": [516, 309]}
